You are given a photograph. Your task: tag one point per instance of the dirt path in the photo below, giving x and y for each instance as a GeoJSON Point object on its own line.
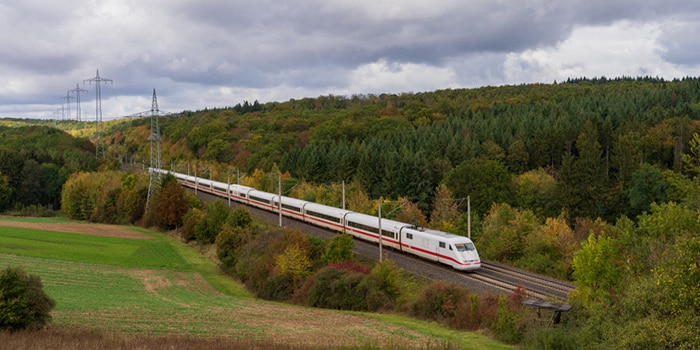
{"type": "Point", "coordinates": [84, 228]}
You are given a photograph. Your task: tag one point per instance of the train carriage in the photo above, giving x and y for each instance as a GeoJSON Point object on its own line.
{"type": "Point", "coordinates": [456, 251]}
{"type": "Point", "coordinates": [239, 192]}
{"type": "Point", "coordinates": [366, 227]}
{"type": "Point", "coordinates": [260, 199]}
{"type": "Point", "coordinates": [291, 207]}
{"type": "Point", "coordinates": [325, 216]}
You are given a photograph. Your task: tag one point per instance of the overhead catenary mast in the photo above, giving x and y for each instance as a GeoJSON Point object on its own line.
{"type": "Point", "coordinates": [99, 146]}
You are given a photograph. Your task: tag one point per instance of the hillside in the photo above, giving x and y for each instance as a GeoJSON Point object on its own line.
{"type": "Point", "coordinates": [35, 161]}
{"type": "Point", "coordinates": [405, 145]}
{"type": "Point", "coordinates": [130, 281]}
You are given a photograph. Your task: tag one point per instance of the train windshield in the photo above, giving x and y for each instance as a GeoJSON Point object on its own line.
{"type": "Point", "coordinates": [465, 247]}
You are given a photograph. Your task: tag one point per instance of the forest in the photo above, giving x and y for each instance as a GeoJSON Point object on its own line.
{"type": "Point", "coordinates": [591, 180]}
{"type": "Point", "coordinates": [35, 162]}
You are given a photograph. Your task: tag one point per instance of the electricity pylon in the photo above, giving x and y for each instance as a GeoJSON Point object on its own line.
{"type": "Point", "coordinates": [77, 91]}
{"type": "Point", "coordinates": [99, 146]}
{"type": "Point", "coordinates": [154, 139]}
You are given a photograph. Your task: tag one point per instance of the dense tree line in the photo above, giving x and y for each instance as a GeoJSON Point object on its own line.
{"type": "Point", "coordinates": [35, 162]}
{"type": "Point", "coordinates": [110, 197]}
{"type": "Point", "coordinates": [598, 132]}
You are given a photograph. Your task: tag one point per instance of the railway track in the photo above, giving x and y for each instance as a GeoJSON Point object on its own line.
{"type": "Point", "coordinates": [535, 286]}
{"type": "Point", "coordinates": [490, 278]}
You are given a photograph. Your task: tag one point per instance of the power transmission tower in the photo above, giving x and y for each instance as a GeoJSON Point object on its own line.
{"type": "Point", "coordinates": [67, 98]}
{"type": "Point", "coordinates": [154, 139]}
{"type": "Point", "coordinates": [99, 146]}
{"type": "Point", "coordinates": [77, 91]}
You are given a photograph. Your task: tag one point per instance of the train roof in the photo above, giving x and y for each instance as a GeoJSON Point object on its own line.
{"type": "Point", "coordinates": [441, 234]}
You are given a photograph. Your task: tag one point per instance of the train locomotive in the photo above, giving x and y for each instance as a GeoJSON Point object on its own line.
{"type": "Point", "coordinates": [456, 251]}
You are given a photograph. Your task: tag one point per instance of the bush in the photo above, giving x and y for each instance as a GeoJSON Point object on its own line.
{"type": "Point", "coordinates": [337, 289]}
{"type": "Point", "coordinates": [382, 286]}
{"type": "Point", "coordinates": [438, 300]}
{"type": "Point", "coordinates": [240, 217]}
{"type": "Point", "coordinates": [191, 219]}
{"type": "Point", "coordinates": [278, 288]}
{"type": "Point", "coordinates": [229, 240]}
{"type": "Point", "coordinates": [338, 249]}
{"type": "Point", "coordinates": [23, 303]}
{"type": "Point", "coordinates": [215, 216]}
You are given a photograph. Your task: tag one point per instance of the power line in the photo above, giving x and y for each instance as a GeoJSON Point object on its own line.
{"type": "Point", "coordinates": [99, 144]}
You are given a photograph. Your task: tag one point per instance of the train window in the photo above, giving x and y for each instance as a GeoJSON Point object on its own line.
{"type": "Point", "coordinates": [322, 216]}
{"type": "Point", "coordinates": [291, 207]}
{"type": "Point", "coordinates": [388, 234]}
{"type": "Point", "coordinates": [363, 227]}
{"type": "Point", "coordinates": [463, 247]}
{"type": "Point", "coordinates": [442, 244]}
{"type": "Point", "coordinates": [258, 199]}
{"type": "Point", "coordinates": [409, 235]}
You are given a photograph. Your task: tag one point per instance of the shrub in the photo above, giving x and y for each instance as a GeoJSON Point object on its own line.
{"type": "Point", "coordinates": [192, 218]}
{"type": "Point", "coordinates": [337, 289]}
{"type": "Point", "coordinates": [216, 215]}
{"type": "Point", "coordinates": [23, 303]}
{"type": "Point", "coordinates": [338, 249]}
{"type": "Point", "coordinates": [438, 301]}
{"type": "Point", "coordinates": [278, 287]}
{"type": "Point", "coordinates": [376, 297]}
{"type": "Point", "coordinates": [508, 322]}
{"type": "Point", "coordinates": [240, 217]}
{"type": "Point", "coordinates": [228, 242]}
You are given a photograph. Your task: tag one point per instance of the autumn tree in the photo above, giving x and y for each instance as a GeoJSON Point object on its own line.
{"type": "Point", "coordinates": [410, 213]}
{"type": "Point", "coordinates": [596, 273]}
{"type": "Point", "coordinates": [445, 215]}
{"type": "Point", "coordinates": [338, 249]}
{"type": "Point", "coordinates": [536, 190]}
{"type": "Point", "coordinates": [235, 232]}
{"type": "Point", "coordinates": [171, 205]}
{"type": "Point", "coordinates": [505, 230]}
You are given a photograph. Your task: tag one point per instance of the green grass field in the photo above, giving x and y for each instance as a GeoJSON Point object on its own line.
{"type": "Point", "coordinates": [160, 286]}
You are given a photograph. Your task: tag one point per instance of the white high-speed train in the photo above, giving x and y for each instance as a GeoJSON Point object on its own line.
{"type": "Point", "coordinates": [453, 250]}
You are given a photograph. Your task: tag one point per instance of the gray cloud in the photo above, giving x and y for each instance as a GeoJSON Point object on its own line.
{"type": "Point", "coordinates": [280, 49]}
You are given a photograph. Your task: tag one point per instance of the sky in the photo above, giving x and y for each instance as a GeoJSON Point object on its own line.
{"type": "Point", "coordinates": [200, 54]}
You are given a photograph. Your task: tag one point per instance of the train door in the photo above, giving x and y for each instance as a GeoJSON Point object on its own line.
{"type": "Point", "coordinates": [443, 250]}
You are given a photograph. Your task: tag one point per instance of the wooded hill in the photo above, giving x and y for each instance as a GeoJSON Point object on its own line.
{"type": "Point", "coordinates": [35, 162]}
{"type": "Point", "coordinates": [591, 137]}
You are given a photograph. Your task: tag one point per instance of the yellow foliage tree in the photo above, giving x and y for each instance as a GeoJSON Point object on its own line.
{"type": "Point", "coordinates": [560, 234]}
{"type": "Point", "coordinates": [410, 213]}
{"type": "Point", "coordinates": [294, 261]}
{"type": "Point", "coordinates": [445, 215]}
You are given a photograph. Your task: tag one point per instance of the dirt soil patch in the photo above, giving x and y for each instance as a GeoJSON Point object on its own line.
{"type": "Point", "coordinates": [83, 228]}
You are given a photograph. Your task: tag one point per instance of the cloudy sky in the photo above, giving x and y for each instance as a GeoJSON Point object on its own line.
{"type": "Point", "coordinates": [215, 53]}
